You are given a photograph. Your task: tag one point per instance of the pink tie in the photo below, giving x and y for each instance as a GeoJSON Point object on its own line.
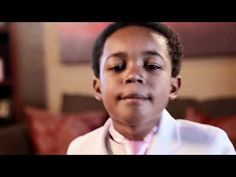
{"type": "Point", "coordinates": [135, 147]}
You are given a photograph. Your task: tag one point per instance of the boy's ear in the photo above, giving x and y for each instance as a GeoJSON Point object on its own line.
{"type": "Point", "coordinates": [175, 86]}
{"type": "Point", "coordinates": [96, 88]}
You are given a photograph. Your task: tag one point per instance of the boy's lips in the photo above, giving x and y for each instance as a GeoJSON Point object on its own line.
{"type": "Point", "coordinates": [134, 96]}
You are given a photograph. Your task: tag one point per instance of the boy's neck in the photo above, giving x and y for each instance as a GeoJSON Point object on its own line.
{"type": "Point", "coordinates": [134, 132]}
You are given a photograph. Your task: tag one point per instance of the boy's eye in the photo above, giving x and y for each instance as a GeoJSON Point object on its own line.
{"type": "Point", "coordinates": [118, 68]}
{"type": "Point", "coordinates": [151, 67]}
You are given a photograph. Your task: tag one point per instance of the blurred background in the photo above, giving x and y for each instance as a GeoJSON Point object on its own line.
{"type": "Point", "coordinates": [46, 96]}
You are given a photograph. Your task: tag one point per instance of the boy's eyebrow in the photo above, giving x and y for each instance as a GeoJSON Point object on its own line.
{"type": "Point", "coordinates": [145, 53]}
{"type": "Point", "coordinates": [152, 53]}
{"type": "Point", "coordinates": [117, 54]}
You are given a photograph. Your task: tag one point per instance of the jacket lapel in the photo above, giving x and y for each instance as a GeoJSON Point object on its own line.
{"type": "Point", "coordinates": [103, 148]}
{"type": "Point", "coordinates": [166, 139]}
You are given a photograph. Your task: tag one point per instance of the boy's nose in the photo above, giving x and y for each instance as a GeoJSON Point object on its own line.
{"type": "Point", "coordinates": [134, 79]}
{"type": "Point", "coordinates": [134, 75]}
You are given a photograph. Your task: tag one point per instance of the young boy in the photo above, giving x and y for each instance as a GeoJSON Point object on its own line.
{"type": "Point", "coordinates": [136, 68]}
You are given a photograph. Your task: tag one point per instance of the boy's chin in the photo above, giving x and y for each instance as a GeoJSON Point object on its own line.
{"type": "Point", "coordinates": [133, 119]}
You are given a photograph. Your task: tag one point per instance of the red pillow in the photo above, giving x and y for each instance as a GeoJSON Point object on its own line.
{"type": "Point", "coordinates": [227, 123]}
{"type": "Point", "coordinates": [52, 133]}
{"type": "Point", "coordinates": [193, 115]}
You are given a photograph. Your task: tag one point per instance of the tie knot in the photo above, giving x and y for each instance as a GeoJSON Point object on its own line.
{"type": "Point", "coordinates": [135, 147]}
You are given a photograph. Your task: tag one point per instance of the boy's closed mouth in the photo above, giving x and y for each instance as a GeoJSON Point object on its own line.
{"type": "Point", "coordinates": [134, 97]}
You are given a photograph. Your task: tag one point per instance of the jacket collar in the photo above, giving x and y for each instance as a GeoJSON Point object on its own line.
{"type": "Point", "coordinates": [165, 141]}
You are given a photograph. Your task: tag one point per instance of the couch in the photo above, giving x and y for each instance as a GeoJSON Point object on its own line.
{"type": "Point", "coordinates": [14, 139]}
{"type": "Point", "coordinates": [47, 133]}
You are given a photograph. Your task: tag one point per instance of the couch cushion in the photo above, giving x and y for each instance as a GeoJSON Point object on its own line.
{"type": "Point", "coordinates": [74, 103]}
{"type": "Point", "coordinates": [14, 139]}
{"type": "Point", "coordinates": [177, 107]}
{"type": "Point", "coordinates": [211, 108]}
{"type": "Point", "coordinates": [218, 107]}
{"type": "Point", "coordinates": [52, 133]}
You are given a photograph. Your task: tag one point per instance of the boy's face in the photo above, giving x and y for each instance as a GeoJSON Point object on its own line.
{"type": "Point", "coordinates": [135, 81]}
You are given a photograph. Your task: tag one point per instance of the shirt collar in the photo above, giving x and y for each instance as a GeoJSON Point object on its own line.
{"type": "Point", "coordinates": [120, 138]}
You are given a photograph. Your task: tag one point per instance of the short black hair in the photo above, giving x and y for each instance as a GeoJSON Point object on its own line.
{"type": "Point", "coordinates": [174, 45]}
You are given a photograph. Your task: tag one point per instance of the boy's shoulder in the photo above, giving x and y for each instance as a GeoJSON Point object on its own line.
{"type": "Point", "coordinates": [187, 127]}
{"type": "Point", "coordinates": [89, 141]}
{"type": "Point", "coordinates": [199, 133]}
{"type": "Point", "coordinates": [199, 128]}
{"type": "Point", "coordinates": [195, 137]}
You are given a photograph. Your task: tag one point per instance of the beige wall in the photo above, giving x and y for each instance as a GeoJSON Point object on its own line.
{"type": "Point", "coordinates": [62, 78]}
{"type": "Point", "coordinates": [203, 77]}
{"type": "Point", "coordinates": [209, 77]}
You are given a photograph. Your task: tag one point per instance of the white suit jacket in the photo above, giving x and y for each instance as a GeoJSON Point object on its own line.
{"type": "Point", "coordinates": [173, 137]}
